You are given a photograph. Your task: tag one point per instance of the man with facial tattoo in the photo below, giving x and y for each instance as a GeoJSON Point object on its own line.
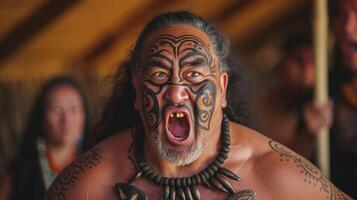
{"type": "Point", "coordinates": [171, 132]}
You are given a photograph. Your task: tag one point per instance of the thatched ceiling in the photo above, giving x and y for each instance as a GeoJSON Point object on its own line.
{"type": "Point", "coordinates": [41, 38]}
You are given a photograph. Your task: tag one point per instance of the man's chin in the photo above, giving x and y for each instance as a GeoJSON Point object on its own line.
{"type": "Point", "coordinates": [180, 155]}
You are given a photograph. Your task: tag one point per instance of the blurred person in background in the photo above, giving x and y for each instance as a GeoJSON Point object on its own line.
{"type": "Point", "coordinates": [53, 137]}
{"type": "Point", "coordinates": [344, 90]}
{"type": "Point", "coordinates": [289, 114]}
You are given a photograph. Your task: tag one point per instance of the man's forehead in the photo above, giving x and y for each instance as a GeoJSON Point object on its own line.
{"type": "Point", "coordinates": [178, 30]}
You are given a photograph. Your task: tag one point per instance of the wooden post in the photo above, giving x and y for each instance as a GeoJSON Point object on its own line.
{"type": "Point", "coordinates": [321, 78]}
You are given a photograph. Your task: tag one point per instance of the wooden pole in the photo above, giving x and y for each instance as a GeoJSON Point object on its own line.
{"type": "Point", "coordinates": [321, 79]}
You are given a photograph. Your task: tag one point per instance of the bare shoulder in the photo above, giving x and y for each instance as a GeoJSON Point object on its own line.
{"type": "Point", "coordinates": [93, 173]}
{"type": "Point", "coordinates": [285, 174]}
{"type": "Point", "coordinates": [73, 176]}
{"type": "Point", "coordinates": [294, 171]}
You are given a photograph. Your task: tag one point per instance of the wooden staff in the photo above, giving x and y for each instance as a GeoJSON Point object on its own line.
{"type": "Point", "coordinates": [321, 79]}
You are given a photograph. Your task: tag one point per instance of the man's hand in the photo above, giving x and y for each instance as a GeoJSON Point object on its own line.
{"type": "Point", "coordinates": [317, 116]}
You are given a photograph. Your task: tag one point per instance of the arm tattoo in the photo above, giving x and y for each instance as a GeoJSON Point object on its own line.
{"type": "Point", "coordinates": [243, 195]}
{"type": "Point", "coordinates": [312, 174]}
{"type": "Point", "coordinates": [337, 194]}
{"type": "Point", "coordinates": [69, 175]}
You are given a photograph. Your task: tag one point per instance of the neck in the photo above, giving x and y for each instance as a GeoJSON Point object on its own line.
{"type": "Point", "coordinates": [214, 175]}
{"type": "Point", "coordinates": [61, 155]}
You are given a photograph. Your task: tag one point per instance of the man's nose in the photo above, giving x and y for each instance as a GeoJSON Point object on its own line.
{"type": "Point", "coordinates": [176, 94]}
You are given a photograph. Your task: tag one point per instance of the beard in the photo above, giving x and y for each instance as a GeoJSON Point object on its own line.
{"type": "Point", "coordinates": [178, 156]}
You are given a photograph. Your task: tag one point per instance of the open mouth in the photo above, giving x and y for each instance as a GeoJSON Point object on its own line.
{"type": "Point", "coordinates": [178, 127]}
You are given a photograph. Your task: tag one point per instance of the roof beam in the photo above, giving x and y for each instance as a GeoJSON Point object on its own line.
{"type": "Point", "coordinates": [106, 43]}
{"type": "Point", "coordinates": [256, 17]}
{"type": "Point", "coordinates": [44, 15]}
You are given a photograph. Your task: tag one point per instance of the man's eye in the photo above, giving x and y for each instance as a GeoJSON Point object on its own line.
{"type": "Point", "coordinates": [193, 74]}
{"type": "Point", "coordinates": [160, 75]}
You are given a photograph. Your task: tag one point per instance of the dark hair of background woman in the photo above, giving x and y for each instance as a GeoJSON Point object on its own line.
{"type": "Point", "coordinates": [26, 161]}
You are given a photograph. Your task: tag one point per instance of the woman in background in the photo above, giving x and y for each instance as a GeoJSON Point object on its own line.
{"type": "Point", "coordinates": [52, 139]}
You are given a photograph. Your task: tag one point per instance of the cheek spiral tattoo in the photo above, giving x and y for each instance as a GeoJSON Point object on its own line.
{"type": "Point", "coordinates": [150, 108]}
{"type": "Point", "coordinates": [204, 105]}
{"type": "Point", "coordinates": [312, 175]}
{"type": "Point", "coordinates": [68, 177]}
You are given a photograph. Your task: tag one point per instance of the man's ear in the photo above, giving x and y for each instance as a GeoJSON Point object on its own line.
{"type": "Point", "coordinates": [135, 83]}
{"type": "Point", "coordinates": [223, 84]}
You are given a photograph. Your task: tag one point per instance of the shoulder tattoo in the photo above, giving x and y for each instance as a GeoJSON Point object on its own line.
{"type": "Point", "coordinates": [311, 174]}
{"type": "Point", "coordinates": [69, 175]}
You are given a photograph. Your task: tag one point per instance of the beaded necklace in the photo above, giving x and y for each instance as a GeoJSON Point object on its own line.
{"type": "Point", "coordinates": [213, 177]}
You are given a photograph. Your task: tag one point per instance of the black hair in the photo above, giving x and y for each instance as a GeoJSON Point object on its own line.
{"type": "Point", "coordinates": [34, 127]}
{"type": "Point", "coordinates": [220, 43]}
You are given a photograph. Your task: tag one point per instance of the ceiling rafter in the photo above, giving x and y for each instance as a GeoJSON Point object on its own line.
{"type": "Point", "coordinates": [106, 43]}
{"type": "Point", "coordinates": [257, 16]}
{"type": "Point", "coordinates": [19, 35]}
{"type": "Point", "coordinates": [95, 36]}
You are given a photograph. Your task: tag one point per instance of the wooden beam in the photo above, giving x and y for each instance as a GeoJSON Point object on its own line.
{"type": "Point", "coordinates": [106, 43]}
{"type": "Point", "coordinates": [137, 19]}
{"type": "Point", "coordinates": [321, 79]}
{"type": "Point", "coordinates": [256, 17]}
{"type": "Point", "coordinates": [32, 25]}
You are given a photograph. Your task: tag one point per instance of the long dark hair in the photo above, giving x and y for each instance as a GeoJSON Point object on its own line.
{"type": "Point", "coordinates": [119, 112]}
{"type": "Point", "coordinates": [339, 73]}
{"type": "Point", "coordinates": [34, 127]}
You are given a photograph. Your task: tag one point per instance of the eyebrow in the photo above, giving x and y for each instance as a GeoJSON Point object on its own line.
{"type": "Point", "coordinates": [153, 65]}
{"type": "Point", "coordinates": [159, 55]}
{"type": "Point", "coordinates": [202, 57]}
{"type": "Point", "coordinates": [156, 63]}
{"type": "Point", "coordinates": [197, 62]}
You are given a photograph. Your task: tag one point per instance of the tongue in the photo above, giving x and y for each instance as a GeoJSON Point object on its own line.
{"type": "Point", "coordinates": [179, 127]}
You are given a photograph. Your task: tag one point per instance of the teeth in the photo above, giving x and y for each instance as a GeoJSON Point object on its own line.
{"type": "Point", "coordinates": [178, 115]}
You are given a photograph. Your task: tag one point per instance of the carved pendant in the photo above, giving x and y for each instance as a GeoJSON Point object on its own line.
{"type": "Point", "coordinates": [243, 195]}
{"type": "Point", "coordinates": [129, 192]}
